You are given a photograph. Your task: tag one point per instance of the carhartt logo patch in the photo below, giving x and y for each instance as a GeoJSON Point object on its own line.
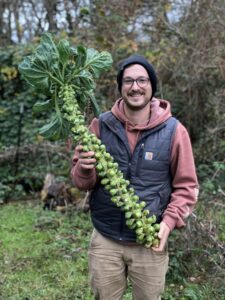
{"type": "Point", "coordinates": [148, 155]}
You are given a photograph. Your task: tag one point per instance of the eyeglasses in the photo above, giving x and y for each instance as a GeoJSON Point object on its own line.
{"type": "Point", "coordinates": [141, 82]}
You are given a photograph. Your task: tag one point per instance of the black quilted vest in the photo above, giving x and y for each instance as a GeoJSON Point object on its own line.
{"type": "Point", "coordinates": [147, 169]}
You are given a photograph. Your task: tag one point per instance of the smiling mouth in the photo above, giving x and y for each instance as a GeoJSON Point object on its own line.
{"type": "Point", "coordinates": [135, 95]}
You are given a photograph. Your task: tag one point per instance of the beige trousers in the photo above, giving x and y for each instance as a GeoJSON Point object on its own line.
{"type": "Point", "coordinates": [110, 263]}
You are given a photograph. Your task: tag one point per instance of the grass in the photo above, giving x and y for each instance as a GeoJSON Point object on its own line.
{"type": "Point", "coordinates": [43, 256]}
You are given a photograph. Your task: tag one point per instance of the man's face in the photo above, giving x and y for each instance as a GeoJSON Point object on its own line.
{"type": "Point", "coordinates": [136, 95]}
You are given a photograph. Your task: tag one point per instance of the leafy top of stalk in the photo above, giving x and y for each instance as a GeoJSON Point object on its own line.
{"type": "Point", "coordinates": [55, 64]}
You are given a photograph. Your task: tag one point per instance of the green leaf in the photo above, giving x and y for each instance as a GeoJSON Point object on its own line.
{"type": "Point", "coordinates": [64, 51]}
{"type": "Point", "coordinates": [94, 105]}
{"type": "Point", "coordinates": [98, 61]}
{"type": "Point", "coordinates": [85, 80]}
{"type": "Point", "coordinates": [49, 130]}
{"type": "Point", "coordinates": [81, 56]}
{"type": "Point", "coordinates": [47, 52]}
{"type": "Point", "coordinates": [34, 74]}
{"type": "Point", "coordinates": [42, 106]}
{"type": "Point", "coordinates": [55, 130]}
{"type": "Point", "coordinates": [47, 40]}
{"type": "Point", "coordinates": [42, 69]}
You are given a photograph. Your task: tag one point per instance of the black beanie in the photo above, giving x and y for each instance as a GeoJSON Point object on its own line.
{"type": "Point", "coordinates": [137, 59]}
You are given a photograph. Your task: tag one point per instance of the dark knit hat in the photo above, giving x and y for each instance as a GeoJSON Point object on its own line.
{"type": "Point", "coordinates": [137, 59]}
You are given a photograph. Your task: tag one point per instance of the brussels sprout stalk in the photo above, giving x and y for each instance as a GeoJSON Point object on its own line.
{"type": "Point", "coordinates": [110, 176]}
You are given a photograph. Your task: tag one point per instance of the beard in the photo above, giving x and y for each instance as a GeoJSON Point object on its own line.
{"type": "Point", "coordinates": [139, 106]}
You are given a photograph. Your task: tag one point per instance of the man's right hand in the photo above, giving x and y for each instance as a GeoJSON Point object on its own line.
{"type": "Point", "coordinates": [86, 159]}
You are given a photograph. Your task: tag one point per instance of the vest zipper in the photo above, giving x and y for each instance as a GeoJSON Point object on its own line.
{"type": "Point", "coordinates": [140, 158]}
{"type": "Point", "coordinates": [128, 170]}
{"type": "Point", "coordinates": [122, 220]}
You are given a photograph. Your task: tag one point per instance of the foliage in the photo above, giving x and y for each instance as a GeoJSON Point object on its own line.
{"type": "Point", "coordinates": [11, 100]}
{"type": "Point", "coordinates": [43, 255]}
{"type": "Point", "coordinates": [191, 76]}
{"type": "Point", "coordinates": [17, 126]}
{"type": "Point", "coordinates": [197, 255]}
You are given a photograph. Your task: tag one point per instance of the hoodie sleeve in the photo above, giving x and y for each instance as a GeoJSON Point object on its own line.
{"type": "Point", "coordinates": [84, 181]}
{"type": "Point", "coordinates": [184, 184]}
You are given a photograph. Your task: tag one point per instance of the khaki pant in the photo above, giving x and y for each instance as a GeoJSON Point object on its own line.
{"type": "Point", "coordinates": [110, 263]}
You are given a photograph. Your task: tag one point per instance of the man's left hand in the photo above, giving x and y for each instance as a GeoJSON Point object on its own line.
{"type": "Point", "coordinates": [163, 234]}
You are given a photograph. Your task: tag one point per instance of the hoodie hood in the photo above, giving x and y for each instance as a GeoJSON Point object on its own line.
{"type": "Point", "coordinates": [160, 112]}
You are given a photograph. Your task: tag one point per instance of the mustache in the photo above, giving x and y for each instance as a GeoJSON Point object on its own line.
{"type": "Point", "coordinates": [136, 94]}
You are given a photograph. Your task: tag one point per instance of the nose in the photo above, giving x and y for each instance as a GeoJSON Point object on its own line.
{"type": "Point", "coordinates": [135, 85]}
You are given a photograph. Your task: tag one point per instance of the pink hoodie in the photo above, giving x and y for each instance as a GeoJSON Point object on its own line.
{"type": "Point", "coordinates": [184, 184]}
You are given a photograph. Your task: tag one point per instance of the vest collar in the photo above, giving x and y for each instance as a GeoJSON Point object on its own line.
{"type": "Point", "coordinates": [116, 126]}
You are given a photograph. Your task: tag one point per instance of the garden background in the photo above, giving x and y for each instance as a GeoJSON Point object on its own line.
{"type": "Point", "coordinates": [43, 254]}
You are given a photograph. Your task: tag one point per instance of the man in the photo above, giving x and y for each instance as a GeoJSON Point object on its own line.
{"type": "Point", "coordinates": [154, 152]}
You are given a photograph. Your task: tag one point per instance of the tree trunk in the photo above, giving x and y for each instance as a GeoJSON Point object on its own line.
{"type": "Point", "coordinates": [51, 8]}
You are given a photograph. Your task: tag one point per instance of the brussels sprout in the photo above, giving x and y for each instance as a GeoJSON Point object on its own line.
{"type": "Point", "coordinates": [111, 173]}
{"type": "Point", "coordinates": [156, 227]}
{"type": "Point", "coordinates": [139, 223]}
{"type": "Point", "coordinates": [139, 230]}
{"type": "Point", "coordinates": [128, 214]}
{"type": "Point", "coordinates": [120, 204]}
{"type": "Point", "coordinates": [99, 167]}
{"type": "Point", "coordinates": [146, 212]}
{"type": "Point", "coordinates": [140, 238]}
{"type": "Point", "coordinates": [151, 229]}
{"type": "Point", "coordinates": [107, 156]}
{"type": "Point", "coordinates": [130, 222]}
{"type": "Point", "coordinates": [98, 155]}
{"type": "Point", "coordinates": [86, 148]}
{"type": "Point", "coordinates": [142, 204]}
{"type": "Point", "coordinates": [104, 181]}
{"type": "Point", "coordinates": [149, 238]}
{"type": "Point", "coordinates": [113, 192]}
{"type": "Point", "coordinates": [155, 243]}
{"type": "Point", "coordinates": [135, 198]}
{"type": "Point", "coordinates": [110, 165]}
{"type": "Point", "coordinates": [95, 147]}
{"type": "Point", "coordinates": [114, 183]}
{"type": "Point", "coordinates": [152, 219]}
{"type": "Point", "coordinates": [102, 148]}
{"type": "Point", "coordinates": [108, 187]}
{"type": "Point", "coordinates": [137, 214]}
{"type": "Point", "coordinates": [115, 164]}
